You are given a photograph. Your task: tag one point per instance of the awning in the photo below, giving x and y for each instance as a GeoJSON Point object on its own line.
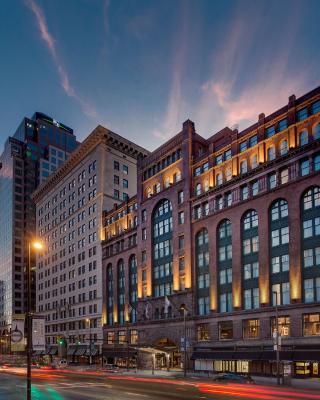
{"type": "Point", "coordinates": [53, 351]}
{"type": "Point", "coordinates": [71, 350]}
{"type": "Point", "coordinates": [94, 352]}
{"type": "Point", "coordinates": [39, 352]}
{"type": "Point", "coordinates": [80, 351]}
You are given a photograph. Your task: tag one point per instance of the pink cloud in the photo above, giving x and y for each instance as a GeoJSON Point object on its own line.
{"type": "Point", "coordinates": [51, 45]}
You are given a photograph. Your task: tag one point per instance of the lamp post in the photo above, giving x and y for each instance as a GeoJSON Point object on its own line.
{"type": "Point", "coordinates": [37, 246]}
{"type": "Point", "coordinates": [90, 356]}
{"type": "Point", "coordinates": [277, 339]}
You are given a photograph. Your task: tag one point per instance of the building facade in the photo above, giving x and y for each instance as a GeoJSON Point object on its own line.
{"type": "Point", "coordinates": [37, 148]}
{"type": "Point", "coordinates": [225, 229]}
{"type": "Point", "coordinates": [101, 172]}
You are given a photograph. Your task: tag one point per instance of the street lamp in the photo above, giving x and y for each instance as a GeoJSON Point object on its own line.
{"type": "Point", "coordinates": [36, 246]}
{"type": "Point", "coordinates": [277, 339]}
{"type": "Point", "coordinates": [89, 322]}
{"type": "Point", "coordinates": [184, 309]}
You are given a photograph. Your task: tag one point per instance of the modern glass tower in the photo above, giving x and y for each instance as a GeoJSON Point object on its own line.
{"type": "Point", "coordinates": [37, 148]}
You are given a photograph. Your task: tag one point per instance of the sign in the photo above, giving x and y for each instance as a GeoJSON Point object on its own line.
{"type": "Point", "coordinates": [17, 333]}
{"type": "Point", "coordinates": [38, 334]}
{"type": "Point", "coordinates": [286, 369]}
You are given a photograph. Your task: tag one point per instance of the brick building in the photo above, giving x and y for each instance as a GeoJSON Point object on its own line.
{"type": "Point", "coordinates": [224, 228]}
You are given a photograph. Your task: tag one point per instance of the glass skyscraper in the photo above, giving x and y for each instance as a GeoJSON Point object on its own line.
{"type": "Point", "coordinates": [37, 148]}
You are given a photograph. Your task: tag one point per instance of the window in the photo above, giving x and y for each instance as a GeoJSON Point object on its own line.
{"type": "Point", "coordinates": [280, 264]}
{"type": "Point", "coordinates": [282, 125]}
{"type": "Point", "coordinates": [312, 290]}
{"type": "Point", "coordinates": [311, 257]}
{"type": "Point", "coordinates": [122, 338]}
{"type": "Point", "coordinates": [243, 167]}
{"type": "Point", "coordinates": [203, 305]}
{"type": "Point", "coordinates": [304, 167]}
{"type": "Point", "coordinates": [125, 169]}
{"type": "Point", "coordinates": [279, 210]}
{"type": "Point", "coordinates": [227, 155]}
{"type": "Point", "coordinates": [110, 338]}
{"type": "Point", "coordinates": [316, 163]}
{"type": "Point", "coordinates": [116, 193]}
{"type": "Point", "coordinates": [250, 220]}
{"type": "Point", "coordinates": [203, 333]}
{"type": "Point", "coordinates": [271, 155]}
{"type": "Point", "coordinates": [270, 131]}
{"type": "Point", "coordinates": [243, 146]}
{"type": "Point", "coordinates": [219, 179]}
{"type": "Point", "coordinates": [311, 325]}
{"type": "Point", "coordinates": [228, 173]}
{"type": "Point", "coordinates": [225, 330]}
{"type": "Point", "coordinates": [116, 179]}
{"type": "Point", "coordinates": [283, 325]}
{"type": "Point", "coordinates": [181, 242]}
{"type": "Point", "coordinates": [284, 176]}
{"type": "Point", "coordinates": [280, 236]}
{"type": "Point", "coordinates": [311, 199]}
{"type": "Point", "coordinates": [244, 192]}
{"type": "Point", "coordinates": [316, 107]}
{"type": "Point", "coordinates": [219, 159]}
{"type": "Point", "coordinates": [125, 183]}
{"type": "Point", "coordinates": [134, 336]}
{"type": "Point", "coordinates": [280, 293]}
{"type": "Point", "coordinates": [316, 131]}
{"type": "Point", "coordinates": [180, 197]}
{"type": "Point", "coordinates": [116, 165]}
{"type": "Point", "coordinates": [255, 188]}
{"type": "Point", "coordinates": [284, 147]}
{"type": "Point", "coordinates": [144, 215]}
{"type": "Point", "coordinates": [144, 234]}
{"type": "Point", "coordinates": [181, 217]}
{"type": "Point", "coordinates": [198, 189]}
{"type": "Point", "coordinates": [302, 114]}
{"type": "Point", "coordinates": [251, 270]}
{"type": "Point", "coordinates": [251, 329]}
{"type": "Point", "coordinates": [303, 138]}
{"type": "Point", "coordinates": [251, 298]}
{"type": "Point", "coordinates": [253, 141]}
{"type": "Point", "coordinates": [254, 161]}
{"type": "Point", "coordinates": [272, 181]}
{"type": "Point", "coordinates": [202, 270]}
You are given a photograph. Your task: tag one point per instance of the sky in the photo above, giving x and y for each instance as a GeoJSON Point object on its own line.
{"type": "Point", "coordinates": [141, 68]}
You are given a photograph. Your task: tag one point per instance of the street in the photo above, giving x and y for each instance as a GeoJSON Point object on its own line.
{"type": "Point", "coordinates": [62, 385]}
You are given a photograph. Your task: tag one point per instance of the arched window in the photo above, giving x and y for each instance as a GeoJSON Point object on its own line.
{"type": "Point", "coordinates": [310, 219]}
{"type": "Point", "coordinates": [202, 271]}
{"type": "Point", "coordinates": [250, 260]}
{"type": "Point", "coordinates": [198, 189]}
{"type": "Point", "coordinates": [109, 295]}
{"type": "Point", "coordinates": [224, 261]}
{"type": "Point", "coordinates": [279, 253]}
{"type": "Point", "coordinates": [162, 255]}
{"type": "Point", "coordinates": [206, 185]}
{"type": "Point", "coordinates": [243, 167]}
{"type": "Point", "coordinates": [254, 161]}
{"type": "Point", "coordinates": [303, 137]}
{"type": "Point", "coordinates": [219, 179]}
{"type": "Point", "coordinates": [121, 292]}
{"type": "Point", "coordinates": [271, 153]}
{"type": "Point", "coordinates": [284, 147]}
{"type": "Point", "coordinates": [228, 173]}
{"type": "Point", "coordinates": [316, 132]}
{"type": "Point", "coordinates": [133, 290]}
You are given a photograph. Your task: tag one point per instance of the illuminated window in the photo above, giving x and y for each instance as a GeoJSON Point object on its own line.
{"type": "Point", "coordinates": [219, 179]}
{"type": "Point", "coordinates": [283, 325]}
{"type": "Point", "coordinates": [203, 333]}
{"type": "Point", "coordinates": [198, 189]}
{"type": "Point", "coordinates": [225, 330]}
{"type": "Point", "coordinates": [311, 325]}
{"type": "Point", "coordinates": [284, 147]}
{"type": "Point", "coordinates": [283, 293]}
{"type": "Point", "coordinates": [254, 161]}
{"type": "Point", "coordinates": [271, 155]}
{"type": "Point", "coordinates": [243, 167]}
{"type": "Point", "coordinates": [284, 176]}
{"type": "Point", "coordinates": [251, 329]}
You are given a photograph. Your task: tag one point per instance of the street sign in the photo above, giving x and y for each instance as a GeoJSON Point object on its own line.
{"type": "Point", "coordinates": [17, 333]}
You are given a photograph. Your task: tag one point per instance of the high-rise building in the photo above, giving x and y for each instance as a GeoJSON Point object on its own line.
{"type": "Point", "coordinates": [222, 230]}
{"type": "Point", "coordinates": [37, 148]}
{"type": "Point", "coordinates": [102, 172]}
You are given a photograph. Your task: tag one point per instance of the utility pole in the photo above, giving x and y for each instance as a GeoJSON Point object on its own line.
{"type": "Point", "coordinates": [37, 246]}
{"type": "Point", "coordinates": [90, 353]}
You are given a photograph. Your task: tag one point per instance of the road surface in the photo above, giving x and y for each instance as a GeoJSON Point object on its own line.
{"type": "Point", "coordinates": [59, 385]}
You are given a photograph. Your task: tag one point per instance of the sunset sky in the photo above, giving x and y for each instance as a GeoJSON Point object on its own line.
{"type": "Point", "coordinates": [141, 68]}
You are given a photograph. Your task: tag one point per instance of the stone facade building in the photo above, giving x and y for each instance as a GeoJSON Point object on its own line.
{"type": "Point", "coordinates": [100, 173]}
{"type": "Point", "coordinates": [222, 230]}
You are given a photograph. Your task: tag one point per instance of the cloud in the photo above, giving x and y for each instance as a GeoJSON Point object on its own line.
{"type": "Point", "coordinates": [47, 37]}
{"type": "Point", "coordinates": [176, 106]}
{"type": "Point", "coordinates": [246, 80]}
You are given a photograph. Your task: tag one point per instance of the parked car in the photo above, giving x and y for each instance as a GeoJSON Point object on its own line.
{"type": "Point", "coordinates": [233, 377]}
{"type": "Point", "coordinates": [111, 368]}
